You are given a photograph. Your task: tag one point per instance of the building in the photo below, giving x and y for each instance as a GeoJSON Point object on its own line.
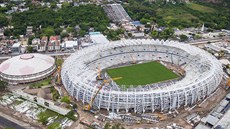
{"type": "Point", "coordinates": [116, 13]}
{"type": "Point", "coordinates": [36, 41]}
{"type": "Point", "coordinates": [71, 45]}
{"type": "Point", "coordinates": [16, 48]}
{"type": "Point", "coordinates": [54, 43]}
{"type": "Point", "coordinates": [1, 33]}
{"type": "Point", "coordinates": [43, 44]}
{"type": "Point", "coordinates": [203, 75]}
{"type": "Point", "coordinates": [27, 68]}
{"type": "Point", "coordinates": [97, 37]}
{"type": "Point", "coordinates": [29, 30]}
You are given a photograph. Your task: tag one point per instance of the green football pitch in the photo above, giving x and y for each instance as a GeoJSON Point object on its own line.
{"type": "Point", "coordinates": [141, 74]}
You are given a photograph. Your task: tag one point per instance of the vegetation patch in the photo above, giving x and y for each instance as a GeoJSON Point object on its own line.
{"type": "Point", "coordinates": [41, 83]}
{"type": "Point", "coordinates": [200, 8]}
{"type": "Point", "coordinates": [55, 94]}
{"type": "Point", "coordinates": [43, 116]}
{"type": "Point", "coordinates": [54, 125]}
{"type": "Point", "coordinates": [59, 61]}
{"type": "Point", "coordinates": [66, 99]}
{"type": "Point", "coordinates": [141, 74]}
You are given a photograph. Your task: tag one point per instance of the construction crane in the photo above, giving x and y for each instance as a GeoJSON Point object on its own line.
{"type": "Point", "coordinates": [99, 73]}
{"type": "Point", "coordinates": [161, 116]}
{"type": "Point", "coordinates": [228, 82]}
{"type": "Point", "coordinates": [58, 75]}
{"type": "Point", "coordinates": [87, 107]}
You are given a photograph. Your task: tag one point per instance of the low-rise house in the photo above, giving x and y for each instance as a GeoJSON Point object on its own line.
{"type": "Point", "coordinates": [138, 35]}
{"type": "Point", "coordinates": [1, 33]}
{"type": "Point", "coordinates": [29, 30]}
{"type": "Point", "coordinates": [54, 43]}
{"type": "Point", "coordinates": [70, 45]}
{"type": "Point", "coordinates": [43, 44]}
{"type": "Point", "coordinates": [16, 48]}
{"type": "Point", "coordinates": [36, 41]}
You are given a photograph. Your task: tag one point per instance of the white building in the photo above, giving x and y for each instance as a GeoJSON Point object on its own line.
{"type": "Point", "coordinates": [16, 47]}
{"type": "Point", "coordinates": [97, 37]}
{"type": "Point", "coordinates": [69, 45]}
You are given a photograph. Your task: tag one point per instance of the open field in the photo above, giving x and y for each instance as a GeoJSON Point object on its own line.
{"type": "Point", "coordinates": [200, 8]}
{"type": "Point", "coordinates": [141, 74]}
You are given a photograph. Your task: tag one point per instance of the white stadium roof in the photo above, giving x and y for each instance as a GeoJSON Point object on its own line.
{"type": "Point", "coordinates": [26, 64]}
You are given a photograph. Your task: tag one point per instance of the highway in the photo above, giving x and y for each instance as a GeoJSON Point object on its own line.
{"type": "Point", "coordinates": [7, 123]}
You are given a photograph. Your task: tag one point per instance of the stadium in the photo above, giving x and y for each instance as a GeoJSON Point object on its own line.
{"type": "Point", "coordinates": [27, 68]}
{"type": "Point", "coordinates": [153, 75]}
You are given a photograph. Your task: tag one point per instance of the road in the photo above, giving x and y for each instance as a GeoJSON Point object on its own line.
{"type": "Point", "coordinates": [4, 57]}
{"type": "Point", "coordinates": [7, 123]}
{"type": "Point", "coordinates": [205, 41]}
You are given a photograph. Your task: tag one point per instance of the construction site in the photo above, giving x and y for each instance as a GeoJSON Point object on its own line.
{"type": "Point", "coordinates": [202, 84]}
{"type": "Point", "coordinates": [182, 87]}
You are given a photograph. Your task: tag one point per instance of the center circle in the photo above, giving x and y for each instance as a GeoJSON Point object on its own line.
{"type": "Point", "coordinates": [26, 56]}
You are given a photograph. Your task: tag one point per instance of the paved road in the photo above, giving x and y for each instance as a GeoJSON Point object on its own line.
{"type": "Point", "coordinates": [4, 57]}
{"type": "Point", "coordinates": [7, 123]}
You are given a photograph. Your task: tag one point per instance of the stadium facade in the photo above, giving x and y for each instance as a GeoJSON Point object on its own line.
{"type": "Point", "coordinates": [27, 68]}
{"type": "Point", "coordinates": [203, 74]}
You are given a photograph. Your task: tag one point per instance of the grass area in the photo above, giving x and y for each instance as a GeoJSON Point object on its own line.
{"type": "Point", "coordinates": [175, 14]}
{"type": "Point", "coordinates": [200, 8]}
{"type": "Point", "coordinates": [59, 61]}
{"type": "Point", "coordinates": [141, 74]}
{"type": "Point", "coordinates": [54, 125]}
{"type": "Point", "coordinates": [41, 83]}
{"type": "Point", "coordinates": [17, 102]}
{"type": "Point", "coordinates": [65, 99]}
{"type": "Point", "coordinates": [43, 116]}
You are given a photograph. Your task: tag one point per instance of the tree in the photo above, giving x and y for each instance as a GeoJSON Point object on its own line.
{"type": "Point", "coordinates": [3, 85]}
{"type": "Point", "coordinates": [69, 29]}
{"type": "Point", "coordinates": [8, 32]}
{"type": "Point", "coordinates": [3, 21]}
{"type": "Point", "coordinates": [49, 31]}
{"type": "Point", "coordinates": [183, 38]}
{"type": "Point", "coordinates": [29, 49]}
{"type": "Point", "coordinates": [30, 40]}
{"type": "Point", "coordinates": [154, 34]}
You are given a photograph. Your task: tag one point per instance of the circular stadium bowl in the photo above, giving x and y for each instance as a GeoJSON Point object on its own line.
{"type": "Point", "coordinates": [27, 68]}
{"type": "Point", "coordinates": [203, 74]}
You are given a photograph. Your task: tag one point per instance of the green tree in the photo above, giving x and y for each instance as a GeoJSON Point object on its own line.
{"type": "Point", "coordinates": [8, 32]}
{"type": "Point", "coordinates": [3, 85]}
{"type": "Point", "coordinates": [154, 34]}
{"type": "Point", "coordinates": [29, 49]}
{"type": "Point", "coordinates": [183, 38]}
{"type": "Point", "coordinates": [49, 31]}
{"type": "Point", "coordinates": [3, 21]}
